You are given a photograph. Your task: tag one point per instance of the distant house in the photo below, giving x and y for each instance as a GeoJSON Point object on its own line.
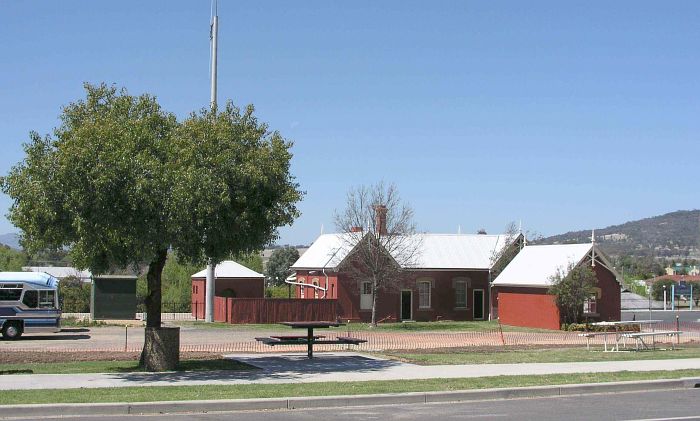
{"type": "Point", "coordinates": [231, 279]}
{"type": "Point", "coordinates": [679, 269]}
{"type": "Point", "coordinates": [520, 292]}
{"type": "Point", "coordinates": [449, 282]}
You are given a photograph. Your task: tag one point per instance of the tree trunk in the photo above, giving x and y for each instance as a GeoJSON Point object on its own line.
{"type": "Point", "coordinates": [161, 347]}
{"type": "Point", "coordinates": [374, 304]}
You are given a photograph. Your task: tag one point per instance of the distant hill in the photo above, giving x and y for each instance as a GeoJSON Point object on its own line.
{"type": "Point", "coordinates": [673, 235]}
{"type": "Point", "coordinates": [11, 240]}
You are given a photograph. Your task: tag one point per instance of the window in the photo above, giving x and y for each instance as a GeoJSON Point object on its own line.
{"type": "Point", "coordinates": [590, 306]}
{"type": "Point", "coordinates": [30, 299]}
{"type": "Point", "coordinates": [366, 296]}
{"type": "Point", "coordinates": [315, 283]}
{"type": "Point", "coordinates": [301, 291]}
{"type": "Point", "coordinates": [47, 299]}
{"type": "Point", "coordinates": [424, 294]}
{"type": "Point", "coordinates": [461, 294]}
{"type": "Point", "coordinates": [10, 294]}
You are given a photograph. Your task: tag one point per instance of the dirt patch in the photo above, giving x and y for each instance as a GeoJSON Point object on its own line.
{"type": "Point", "coordinates": [25, 357]}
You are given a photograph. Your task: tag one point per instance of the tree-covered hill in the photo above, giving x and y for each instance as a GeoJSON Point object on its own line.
{"type": "Point", "coordinates": [673, 235]}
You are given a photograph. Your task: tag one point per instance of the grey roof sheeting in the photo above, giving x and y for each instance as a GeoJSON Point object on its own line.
{"type": "Point", "coordinates": [436, 251]}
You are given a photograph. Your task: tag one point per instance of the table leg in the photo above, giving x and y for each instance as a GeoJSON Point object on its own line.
{"type": "Point", "coordinates": [310, 340]}
{"type": "Point", "coordinates": [605, 341]}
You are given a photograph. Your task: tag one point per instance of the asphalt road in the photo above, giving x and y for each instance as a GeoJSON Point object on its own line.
{"type": "Point", "coordinates": [656, 405]}
{"type": "Point", "coordinates": [667, 316]}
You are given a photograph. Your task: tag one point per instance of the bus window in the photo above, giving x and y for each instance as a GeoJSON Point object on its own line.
{"type": "Point", "coordinates": [47, 299]}
{"type": "Point", "coordinates": [10, 294]}
{"type": "Point", "coordinates": [30, 299]}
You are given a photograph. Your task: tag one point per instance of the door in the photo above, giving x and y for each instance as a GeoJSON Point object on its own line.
{"type": "Point", "coordinates": [478, 302]}
{"type": "Point", "coordinates": [406, 304]}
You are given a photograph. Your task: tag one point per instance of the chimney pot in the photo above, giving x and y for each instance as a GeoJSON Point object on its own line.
{"type": "Point", "coordinates": [380, 219]}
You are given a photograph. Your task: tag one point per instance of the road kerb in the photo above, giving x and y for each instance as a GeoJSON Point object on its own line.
{"type": "Point", "coordinates": [173, 407]}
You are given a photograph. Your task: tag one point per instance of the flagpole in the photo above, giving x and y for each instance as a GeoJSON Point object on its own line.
{"type": "Point", "coordinates": [211, 276]}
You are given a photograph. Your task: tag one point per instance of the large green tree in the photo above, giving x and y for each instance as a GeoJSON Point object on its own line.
{"type": "Point", "coordinates": [278, 266]}
{"type": "Point", "coordinates": [12, 260]}
{"type": "Point", "coordinates": [121, 182]}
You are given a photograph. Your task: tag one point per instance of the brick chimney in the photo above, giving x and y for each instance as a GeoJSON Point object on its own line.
{"type": "Point", "coordinates": [380, 219]}
{"type": "Point", "coordinates": [355, 229]}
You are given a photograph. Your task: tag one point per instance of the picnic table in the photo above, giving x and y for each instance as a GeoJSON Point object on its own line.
{"type": "Point", "coordinates": [639, 337]}
{"type": "Point", "coordinates": [309, 339]}
{"type": "Point", "coordinates": [620, 335]}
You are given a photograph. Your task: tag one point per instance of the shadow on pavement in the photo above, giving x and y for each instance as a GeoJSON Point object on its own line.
{"type": "Point", "coordinates": [288, 367]}
{"type": "Point", "coordinates": [75, 330]}
{"type": "Point", "coordinates": [56, 337]}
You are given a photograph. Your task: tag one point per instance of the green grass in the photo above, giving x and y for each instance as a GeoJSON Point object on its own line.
{"type": "Point", "coordinates": [446, 326]}
{"type": "Point", "coordinates": [116, 367]}
{"type": "Point", "coordinates": [184, 393]}
{"type": "Point", "coordinates": [554, 355]}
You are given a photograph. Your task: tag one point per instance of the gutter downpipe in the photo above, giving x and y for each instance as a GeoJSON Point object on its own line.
{"type": "Point", "coordinates": [323, 270]}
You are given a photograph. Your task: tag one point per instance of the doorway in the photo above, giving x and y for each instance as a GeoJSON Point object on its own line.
{"type": "Point", "coordinates": [478, 304]}
{"type": "Point", "coordinates": [406, 304]}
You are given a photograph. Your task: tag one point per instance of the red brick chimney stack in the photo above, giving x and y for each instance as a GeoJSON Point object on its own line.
{"type": "Point", "coordinates": [380, 219]}
{"type": "Point", "coordinates": [355, 229]}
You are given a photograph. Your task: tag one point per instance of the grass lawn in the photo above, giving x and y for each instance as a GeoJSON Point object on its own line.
{"type": "Point", "coordinates": [116, 367]}
{"type": "Point", "coordinates": [446, 326]}
{"type": "Point", "coordinates": [552, 355]}
{"type": "Point", "coordinates": [178, 393]}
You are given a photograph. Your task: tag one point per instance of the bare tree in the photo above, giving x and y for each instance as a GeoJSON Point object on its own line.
{"type": "Point", "coordinates": [379, 237]}
{"type": "Point", "coordinates": [501, 256]}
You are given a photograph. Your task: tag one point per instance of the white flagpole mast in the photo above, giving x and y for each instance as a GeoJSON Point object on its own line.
{"type": "Point", "coordinates": [211, 278]}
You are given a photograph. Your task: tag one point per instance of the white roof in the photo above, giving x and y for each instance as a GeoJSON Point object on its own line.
{"type": "Point", "coordinates": [59, 272]}
{"type": "Point", "coordinates": [437, 251]}
{"type": "Point", "coordinates": [535, 265]}
{"type": "Point", "coordinates": [230, 269]}
{"type": "Point", "coordinates": [38, 278]}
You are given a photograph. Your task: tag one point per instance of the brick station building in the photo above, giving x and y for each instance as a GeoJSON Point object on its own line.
{"type": "Point", "coordinates": [520, 292]}
{"type": "Point", "coordinates": [449, 281]}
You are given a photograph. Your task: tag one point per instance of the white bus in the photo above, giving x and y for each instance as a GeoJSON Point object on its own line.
{"type": "Point", "coordinates": [28, 303]}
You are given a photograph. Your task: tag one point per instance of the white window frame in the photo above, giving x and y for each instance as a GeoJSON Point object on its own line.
{"type": "Point", "coordinates": [365, 299]}
{"type": "Point", "coordinates": [421, 284]}
{"type": "Point", "coordinates": [463, 296]}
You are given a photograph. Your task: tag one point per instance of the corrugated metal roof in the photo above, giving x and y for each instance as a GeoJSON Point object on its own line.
{"type": "Point", "coordinates": [437, 251]}
{"type": "Point", "coordinates": [60, 272]}
{"type": "Point", "coordinates": [230, 269]}
{"type": "Point", "coordinates": [535, 265]}
{"type": "Point", "coordinates": [328, 251]}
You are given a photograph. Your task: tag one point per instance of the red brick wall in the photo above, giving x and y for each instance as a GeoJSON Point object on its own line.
{"type": "Point", "coordinates": [609, 302]}
{"type": "Point", "coordinates": [533, 307]}
{"type": "Point", "coordinates": [527, 307]}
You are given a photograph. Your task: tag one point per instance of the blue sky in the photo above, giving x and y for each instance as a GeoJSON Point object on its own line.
{"type": "Point", "coordinates": [565, 115]}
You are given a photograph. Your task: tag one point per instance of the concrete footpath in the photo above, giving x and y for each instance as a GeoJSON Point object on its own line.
{"type": "Point", "coordinates": [327, 367]}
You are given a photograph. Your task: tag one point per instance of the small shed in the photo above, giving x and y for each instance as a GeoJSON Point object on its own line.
{"type": "Point", "coordinates": [521, 291]}
{"type": "Point", "coordinates": [113, 297]}
{"type": "Point", "coordinates": [231, 280]}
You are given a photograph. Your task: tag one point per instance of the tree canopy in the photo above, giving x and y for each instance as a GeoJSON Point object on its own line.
{"type": "Point", "coordinates": [122, 182]}
{"type": "Point", "coordinates": [278, 265]}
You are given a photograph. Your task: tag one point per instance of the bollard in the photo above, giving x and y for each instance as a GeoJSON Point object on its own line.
{"type": "Point", "coordinates": [678, 328]}
{"type": "Point", "coordinates": [126, 337]}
